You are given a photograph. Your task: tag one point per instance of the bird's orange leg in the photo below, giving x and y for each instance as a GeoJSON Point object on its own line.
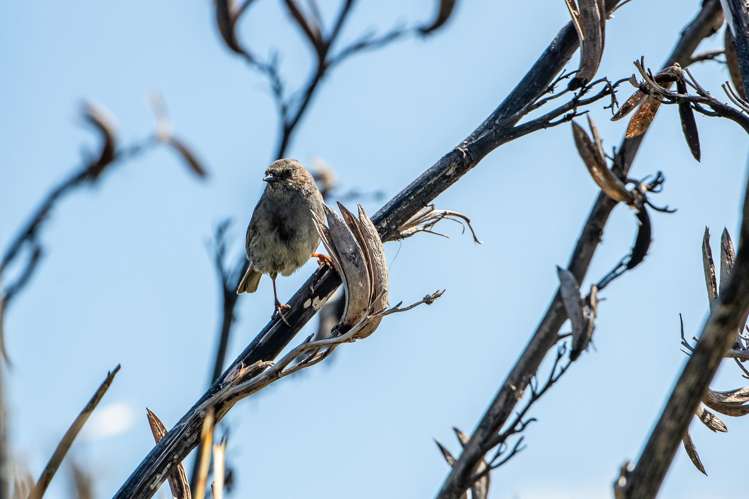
{"type": "Point", "coordinates": [323, 259]}
{"type": "Point", "coordinates": [280, 307]}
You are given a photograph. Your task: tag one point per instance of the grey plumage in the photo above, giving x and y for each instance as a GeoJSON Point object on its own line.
{"type": "Point", "coordinates": [281, 235]}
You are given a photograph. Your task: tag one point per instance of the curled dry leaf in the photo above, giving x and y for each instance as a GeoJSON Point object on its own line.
{"type": "Point", "coordinates": [708, 266]}
{"type": "Point", "coordinates": [445, 10]}
{"type": "Point", "coordinates": [589, 18]}
{"type": "Point", "coordinates": [350, 262]}
{"type": "Point", "coordinates": [732, 61]}
{"type": "Point", "coordinates": [186, 154]}
{"type": "Point", "coordinates": [594, 160]}
{"type": "Point", "coordinates": [643, 240]}
{"type": "Point", "coordinates": [632, 102]}
{"type": "Point", "coordinates": [358, 256]}
{"type": "Point", "coordinates": [102, 121]}
{"type": "Point", "coordinates": [427, 217]}
{"type": "Point", "coordinates": [688, 123]}
{"type": "Point", "coordinates": [731, 403]}
{"type": "Point", "coordinates": [692, 453]}
{"type": "Point", "coordinates": [710, 420]}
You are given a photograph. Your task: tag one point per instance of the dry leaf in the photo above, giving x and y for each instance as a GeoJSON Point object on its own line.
{"type": "Point", "coordinates": [593, 158]}
{"type": "Point", "coordinates": [642, 119]}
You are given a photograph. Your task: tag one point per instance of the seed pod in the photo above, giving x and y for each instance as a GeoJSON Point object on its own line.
{"type": "Point", "coordinates": [732, 61]}
{"type": "Point", "coordinates": [727, 258]}
{"type": "Point", "coordinates": [708, 266]}
{"type": "Point", "coordinates": [642, 119]}
{"type": "Point", "coordinates": [594, 160]}
{"type": "Point", "coordinates": [582, 323]}
{"type": "Point", "coordinates": [642, 243]}
{"type": "Point", "coordinates": [590, 23]}
{"type": "Point", "coordinates": [688, 124]}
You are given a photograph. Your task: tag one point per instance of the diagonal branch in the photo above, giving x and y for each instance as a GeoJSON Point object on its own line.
{"type": "Point", "coordinates": [718, 336]}
{"type": "Point", "coordinates": [492, 133]}
{"type": "Point", "coordinates": [547, 332]}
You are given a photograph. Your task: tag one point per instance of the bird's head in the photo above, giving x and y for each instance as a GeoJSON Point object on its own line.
{"type": "Point", "coordinates": [287, 173]}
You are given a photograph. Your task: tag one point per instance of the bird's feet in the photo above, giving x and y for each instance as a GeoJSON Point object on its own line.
{"type": "Point", "coordinates": [323, 259]}
{"type": "Point", "coordinates": [280, 309]}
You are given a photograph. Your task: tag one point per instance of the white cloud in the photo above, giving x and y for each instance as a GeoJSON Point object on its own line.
{"type": "Point", "coordinates": [109, 420]}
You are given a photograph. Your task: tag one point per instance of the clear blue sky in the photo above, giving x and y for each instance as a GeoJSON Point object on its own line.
{"type": "Point", "coordinates": [127, 278]}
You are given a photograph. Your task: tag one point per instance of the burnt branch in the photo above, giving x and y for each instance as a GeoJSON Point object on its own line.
{"type": "Point", "coordinates": [707, 21]}
{"type": "Point", "coordinates": [718, 335]}
{"type": "Point", "coordinates": [445, 172]}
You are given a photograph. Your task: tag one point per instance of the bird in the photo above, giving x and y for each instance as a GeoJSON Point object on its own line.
{"type": "Point", "coordinates": [281, 235]}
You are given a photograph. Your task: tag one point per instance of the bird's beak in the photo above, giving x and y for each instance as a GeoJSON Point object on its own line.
{"type": "Point", "coordinates": [269, 178]}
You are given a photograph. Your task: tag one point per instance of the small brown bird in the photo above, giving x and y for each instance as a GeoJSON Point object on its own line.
{"type": "Point", "coordinates": [281, 236]}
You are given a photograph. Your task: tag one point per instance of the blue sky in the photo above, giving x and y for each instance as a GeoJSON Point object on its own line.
{"type": "Point", "coordinates": [127, 277]}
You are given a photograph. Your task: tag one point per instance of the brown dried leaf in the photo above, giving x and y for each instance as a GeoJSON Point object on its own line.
{"type": "Point", "coordinates": [178, 483]}
{"type": "Point", "coordinates": [480, 489]}
{"type": "Point", "coordinates": [626, 108]}
{"type": "Point", "coordinates": [732, 61]}
{"type": "Point", "coordinates": [206, 442]}
{"type": "Point", "coordinates": [642, 119]}
{"type": "Point", "coordinates": [184, 152]}
{"type": "Point", "coordinates": [592, 157]}
{"type": "Point", "coordinates": [688, 123]}
{"type": "Point", "coordinates": [727, 258]}
{"type": "Point", "coordinates": [692, 453]}
{"type": "Point", "coordinates": [710, 420]}
{"type": "Point", "coordinates": [444, 12]}
{"type": "Point", "coordinates": [102, 121]}
{"type": "Point", "coordinates": [708, 266]}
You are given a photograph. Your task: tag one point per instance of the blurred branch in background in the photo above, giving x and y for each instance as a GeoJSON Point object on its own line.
{"type": "Point", "coordinates": [28, 239]}
{"type": "Point", "coordinates": [500, 127]}
{"type": "Point", "coordinates": [463, 472]}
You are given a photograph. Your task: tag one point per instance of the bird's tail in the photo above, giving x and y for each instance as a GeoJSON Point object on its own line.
{"type": "Point", "coordinates": [250, 281]}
